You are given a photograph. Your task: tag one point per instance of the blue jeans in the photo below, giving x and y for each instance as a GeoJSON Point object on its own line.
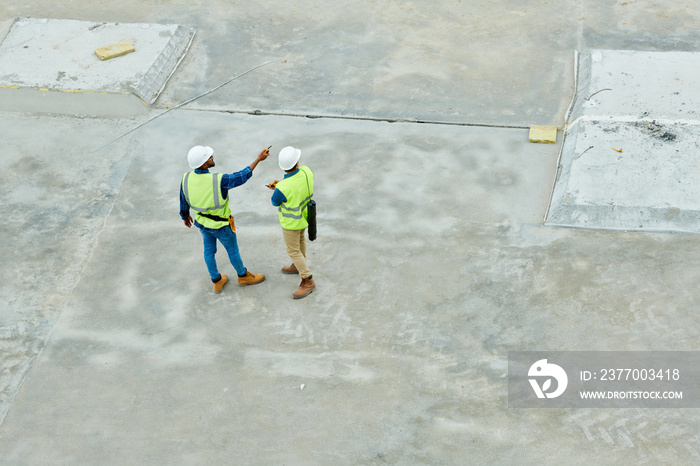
{"type": "Point", "coordinates": [228, 240]}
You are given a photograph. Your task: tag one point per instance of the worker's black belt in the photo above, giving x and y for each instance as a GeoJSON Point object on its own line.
{"type": "Point", "coordinates": [214, 217]}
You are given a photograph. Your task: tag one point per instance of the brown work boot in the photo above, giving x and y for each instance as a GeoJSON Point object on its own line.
{"type": "Point", "coordinates": [251, 279]}
{"type": "Point", "coordinates": [290, 269]}
{"type": "Point", "coordinates": [307, 286]}
{"type": "Point", "coordinates": [218, 286]}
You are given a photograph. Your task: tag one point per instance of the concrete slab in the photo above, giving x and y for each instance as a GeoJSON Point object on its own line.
{"type": "Point", "coordinates": [402, 350]}
{"type": "Point", "coordinates": [52, 54]}
{"type": "Point", "coordinates": [630, 156]}
{"type": "Point", "coordinates": [432, 259]}
{"type": "Point", "coordinates": [127, 309]}
{"type": "Point", "coordinates": [78, 104]}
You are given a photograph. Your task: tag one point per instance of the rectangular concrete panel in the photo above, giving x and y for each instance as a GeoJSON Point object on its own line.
{"type": "Point", "coordinates": [60, 55]}
{"type": "Point", "coordinates": [630, 157]}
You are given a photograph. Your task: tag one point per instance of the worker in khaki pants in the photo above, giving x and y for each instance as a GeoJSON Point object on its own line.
{"type": "Point", "coordinates": [291, 196]}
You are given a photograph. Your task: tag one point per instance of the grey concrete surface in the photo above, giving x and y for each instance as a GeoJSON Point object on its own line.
{"type": "Point", "coordinates": [630, 150]}
{"type": "Point", "coordinates": [431, 263]}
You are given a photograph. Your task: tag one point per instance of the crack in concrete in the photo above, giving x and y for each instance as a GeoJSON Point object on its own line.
{"type": "Point", "coordinates": [366, 118]}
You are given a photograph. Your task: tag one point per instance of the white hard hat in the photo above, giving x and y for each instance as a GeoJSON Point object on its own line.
{"type": "Point", "coordinates": [289, 156]}
{"type": "Point", "coordinates": [198, 155]}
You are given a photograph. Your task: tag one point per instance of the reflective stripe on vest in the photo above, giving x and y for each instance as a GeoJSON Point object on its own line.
{"type": "Point", "coordinates": [292, 212]}
{"type": "Point", "coordinates": [203, 193]}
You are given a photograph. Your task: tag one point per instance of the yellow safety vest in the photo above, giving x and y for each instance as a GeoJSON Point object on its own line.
{"type": "Point", "coordinates": [203, 194]}
{"type": "Point", "coordinates": [299, 190]}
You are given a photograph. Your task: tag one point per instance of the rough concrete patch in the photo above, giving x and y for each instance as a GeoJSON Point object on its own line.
{"type": "Point", "coordinates": [59, 55]}
{"type": "Point", "coordinates": [660, 132]}
{"type": "Point", "coordinates": [629, 157]}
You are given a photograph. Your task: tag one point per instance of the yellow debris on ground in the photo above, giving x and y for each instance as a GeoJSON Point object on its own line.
{"type": "Point", "coordinates": [114, 50]}
{"type": "Point", "coordinates": [546, 134]}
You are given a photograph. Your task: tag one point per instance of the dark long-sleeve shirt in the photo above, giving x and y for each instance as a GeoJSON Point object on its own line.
{"type": "Point", "coordinates": [277, 197]}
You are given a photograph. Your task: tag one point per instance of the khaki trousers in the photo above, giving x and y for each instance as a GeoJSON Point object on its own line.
{"type": "Point", "coordinates": [296, 249]}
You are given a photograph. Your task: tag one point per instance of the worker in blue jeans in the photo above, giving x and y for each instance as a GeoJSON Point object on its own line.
{"type": "Point", "coordinates": [207, 194]}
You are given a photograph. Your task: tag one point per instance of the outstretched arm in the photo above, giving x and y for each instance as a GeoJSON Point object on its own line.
{"type": "Point", "coordinates": [236, 179]}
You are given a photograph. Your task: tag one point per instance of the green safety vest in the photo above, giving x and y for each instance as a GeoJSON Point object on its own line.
{"type": "Point", "coordinates": [299, 192]}
{"type": "Point", "coordinates": [203, 194]}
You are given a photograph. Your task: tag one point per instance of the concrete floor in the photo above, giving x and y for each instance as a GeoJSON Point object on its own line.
{"type": "Point", "coordinates": [432, 261]}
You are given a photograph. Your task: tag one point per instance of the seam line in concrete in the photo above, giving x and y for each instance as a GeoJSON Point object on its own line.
{"type": "Point", "coordinates": [360, 118]}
